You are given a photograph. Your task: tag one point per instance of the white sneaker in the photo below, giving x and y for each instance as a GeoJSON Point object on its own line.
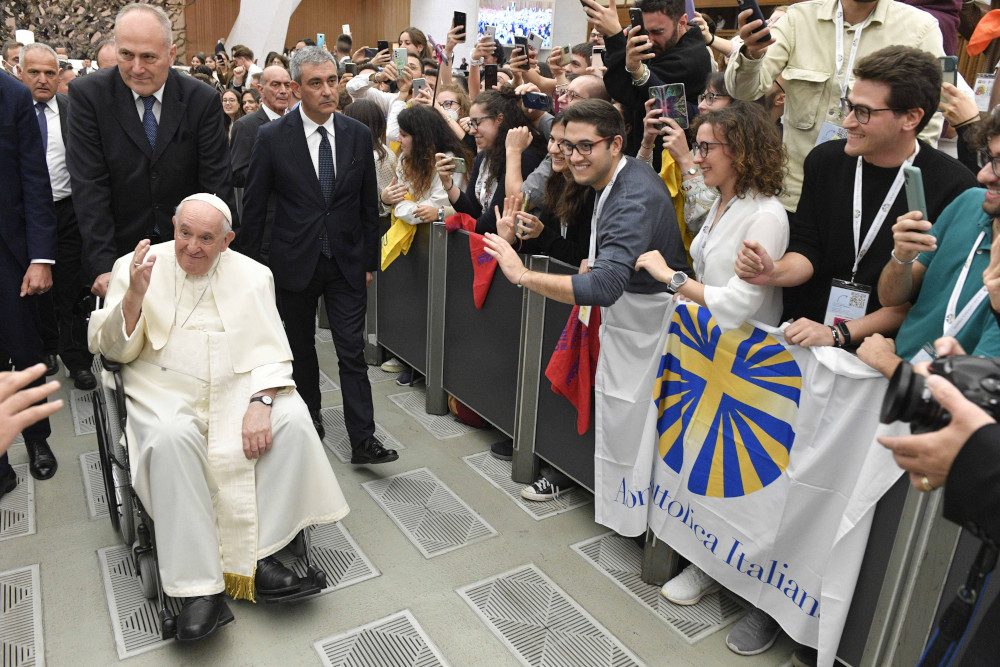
{"type": "Point", "coordinates": [755, 633]}
{"type": "Point", "coordinates": [393, 366]}
{"type": "Point", "coordinates": [689, 587]}
{"type": "Point", "coordinates": [541, 491]}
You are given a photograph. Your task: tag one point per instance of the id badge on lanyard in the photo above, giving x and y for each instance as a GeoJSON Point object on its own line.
{"type": "Point", "coordinates": [848, 301]}
{"type": "Point", "coordinates": [830, 130]}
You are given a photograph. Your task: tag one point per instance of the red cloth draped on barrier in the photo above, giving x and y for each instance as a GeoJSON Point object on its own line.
{"type": "Point", "coordinates": [572, 366]}
{"type": "Point", "coordinates": [483, 266]}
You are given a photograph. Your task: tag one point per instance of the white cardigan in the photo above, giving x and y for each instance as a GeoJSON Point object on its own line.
{"type": "Point", "coordinates": [731, 300]}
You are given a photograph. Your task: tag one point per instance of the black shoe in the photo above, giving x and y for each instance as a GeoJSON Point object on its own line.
{"type": "Point", "coordinates": [200, 616]}
{"type": "Point", "coordinates": [503, 450]}
{"type": "Point", "coordinates": [51, 364]}
{"type": "Point", "coordinates": [273, 578]}
{"type": "Point", "coordinates": [371, 451]}
{"type": "Point", "coordinates": [42, 462]}
{"type": "Point", "coordinates": [8, 482]}
{"type": "Point", "coordinates": [409, 378]}
{"type": "Point", "coordinates": [805, 656]}
{"type": "Point", "coordinates": [83, 379]}
{"type": "Point", "coordinates": [318, 424]}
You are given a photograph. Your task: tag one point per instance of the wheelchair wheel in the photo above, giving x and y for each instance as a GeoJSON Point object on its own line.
{"type": "Point", "coordinates": [117, 483]}
{"type": "Point", "coordinates": [149, 576]}
{"type": "Point", "coordinates": [123, 498]}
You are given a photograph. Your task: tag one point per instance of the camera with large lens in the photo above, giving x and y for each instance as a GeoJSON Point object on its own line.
{"type": "Point", "coordinates": [908, 399]}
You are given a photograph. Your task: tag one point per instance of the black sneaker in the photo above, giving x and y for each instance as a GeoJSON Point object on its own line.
{"type": "Point", "coordinates": [409, 378]}
{"type": "Point", "coordinates": [541, 491]}
{"type": "Point", "coordinates": [8, 482]}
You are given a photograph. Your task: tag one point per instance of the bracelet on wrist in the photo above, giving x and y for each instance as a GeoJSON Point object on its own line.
{"type": "Point", "coordinates": [845, 333]}
{"type": "Point", "coordinates": [966, 122]}
{"type": "Point", "coordinates": [633, 71]}
{"type": "Point", "coordinates": [522, 278]}
{"type": "Point", "coordinates": [898, 260]}
{"type": "Point", "coordinates": [713, 40]}
{"type": "Point", "coordinates": [836, 336]}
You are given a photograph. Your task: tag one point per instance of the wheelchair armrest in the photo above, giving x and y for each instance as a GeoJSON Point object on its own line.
{"type": "Point", "coordinates": [110, 366]}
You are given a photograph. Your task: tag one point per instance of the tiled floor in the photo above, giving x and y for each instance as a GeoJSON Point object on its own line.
{"type": "Point", "coordinates": [401, 607]}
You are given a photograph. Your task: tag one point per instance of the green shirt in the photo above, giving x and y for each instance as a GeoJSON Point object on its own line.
{"type": "Point", "coordinates": [956, 230]}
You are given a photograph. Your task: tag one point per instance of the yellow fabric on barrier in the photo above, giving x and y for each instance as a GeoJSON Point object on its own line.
{"type": "Point", "coordinates": [397, 240]}
{"type": "Point", "coordinates": [670, 172]}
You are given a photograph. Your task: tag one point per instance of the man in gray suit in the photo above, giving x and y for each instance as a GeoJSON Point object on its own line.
{"type": "Point", "coordinates": [40, 72]}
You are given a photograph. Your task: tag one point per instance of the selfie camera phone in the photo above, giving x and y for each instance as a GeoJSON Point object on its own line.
{"type": "Point", "coordinates": [914, 183]}
{"type": "Point", "coordinates": [949, 69]}
{"type": "Point", "coordinates": [521, 47]}
{"type": "Point", "coordinates": [672, 101]}
{"type": "Point", "coordinates": [351, 68]}
{"type": "Point", "coordinates": [490, 33]}
{"type": "Point", "coordinates": [460, 166]}
{"type": "Point", "coordinates": [491, 77]}
{"type": "Point", "coordinates": [458, 19]}
{"type": "Point", "coordinates": [567, 55]}
{"type": "Point", "coordinates": [370, 53]}
{"type": "Point", "coordinates": [597, 57]}
{"type": "Point", "coordinates": [635, 17]}
{"type": "Point", "coordinates": [383, 45]}
{"type": "Point", "coordinates": [535, 41]}
{"type": "Point", "coordinates": [418, 85]}
{"type": "Point", "coordinates": [320, 39]}
{"type": "Point", "coordinates": [538, 101]}
{"type": "Point", "coordinates": [756, 14]}
{"type": "Point", "coordinates": [399, 56]}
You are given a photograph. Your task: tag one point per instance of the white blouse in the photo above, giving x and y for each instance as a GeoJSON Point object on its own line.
{"type": "Point", "coordinates": [731, 300]}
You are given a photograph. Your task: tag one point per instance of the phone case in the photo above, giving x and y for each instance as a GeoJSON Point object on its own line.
{"type": "Point", "coordinates": [757, 14]}
{"type": "Point", "coordinates": [914, 182]}
{"type": "Point", "coordinates": [400, 57]}
{"type": "Point", "coordinates": [671, 99]}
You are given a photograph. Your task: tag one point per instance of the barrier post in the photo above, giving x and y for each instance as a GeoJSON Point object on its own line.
{"type": "Point", "coordinates": [436, 401]}
{"type": "Point", "coordinates": [374, 355]}
{"type": "Point", "coordinates": [529, 379]}
{"type": "Point", "coordinates": [660, 563]}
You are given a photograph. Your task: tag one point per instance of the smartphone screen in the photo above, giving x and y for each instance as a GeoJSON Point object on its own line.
{"type": "Point", "coordinates": [672, 101]}
{"type": "Point", "coordinates": [459, 20]}
{"type": "Point", "coordinates": [597, 58]}
{"type": "Point", "coordinates": [491, 77]}
{"type": "Point", "coordinates": [383, 45]}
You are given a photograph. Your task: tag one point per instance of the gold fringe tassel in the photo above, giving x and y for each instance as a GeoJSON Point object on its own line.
{"type": "Point", "coordinates": [239, 586]}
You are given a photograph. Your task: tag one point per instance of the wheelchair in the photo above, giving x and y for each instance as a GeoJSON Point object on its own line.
{"type": "Point", "coordinates": [134, 524]}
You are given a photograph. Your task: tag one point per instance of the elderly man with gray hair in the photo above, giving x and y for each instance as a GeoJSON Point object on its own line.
{"type": "Point", "coordinates": [207, 372]}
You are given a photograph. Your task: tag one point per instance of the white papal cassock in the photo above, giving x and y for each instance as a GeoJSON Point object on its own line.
{"type": "Point", "coordinates": [202, 347]}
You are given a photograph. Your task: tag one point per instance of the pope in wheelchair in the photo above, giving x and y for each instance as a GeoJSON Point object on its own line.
{"type": "Point", "coordinates": [222, 450]}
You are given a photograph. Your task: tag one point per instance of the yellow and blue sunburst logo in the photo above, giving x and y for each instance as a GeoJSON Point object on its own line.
{"type": "Point", "coordinates": [730, 399]}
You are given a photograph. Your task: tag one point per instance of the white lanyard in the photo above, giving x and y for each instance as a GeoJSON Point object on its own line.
{"type": "Point", "coordinates": [890, 198]}
{"type": "Point", "coordinates": [598, 207]}
{"type": "Point", "coordinates": [838, 24]}
{"type": "Point", "coordinates": [699, 257]}
{"type": "Point", "coordinates": [952, 324]}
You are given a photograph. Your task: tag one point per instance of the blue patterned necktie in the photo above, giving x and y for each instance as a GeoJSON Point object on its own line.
{"type": "Point", "coordinates": [43, 125]}
{"type": "Point", "coordinates": [326, 180]}
{"type": "Point", "coordinates": [149, 120]}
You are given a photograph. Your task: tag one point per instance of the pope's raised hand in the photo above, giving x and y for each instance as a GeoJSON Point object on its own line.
{"type": "Point", "coordinates": [141, 270]}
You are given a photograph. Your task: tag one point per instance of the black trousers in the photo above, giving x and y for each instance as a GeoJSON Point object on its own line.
{"type": "Point", "coordinates": [18, 336]}
{"type": "Point", "coordinates": [345, 306]}
{"type": "Point", "coordinates": [62, 319]}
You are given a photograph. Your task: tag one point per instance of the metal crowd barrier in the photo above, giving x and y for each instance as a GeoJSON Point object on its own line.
{"type": "Point", "coordinates": [914, 561]}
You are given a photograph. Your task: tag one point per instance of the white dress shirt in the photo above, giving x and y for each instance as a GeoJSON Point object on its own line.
{"type": "Point", "coordinates": [157, 105]}
{"type": "Point", "coordinates": [271, 114]}
{"type": "Point", "coordinates": [313, 139]}
{"type": "Point", "coordinates": [55, 154]}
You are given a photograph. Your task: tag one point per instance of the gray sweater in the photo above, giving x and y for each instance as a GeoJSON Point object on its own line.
{"type": "Point", "coordinates": [638, 216]}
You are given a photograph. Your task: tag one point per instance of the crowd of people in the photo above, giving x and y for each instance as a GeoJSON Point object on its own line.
{"type": "Point", "coordinates": [781, 202]}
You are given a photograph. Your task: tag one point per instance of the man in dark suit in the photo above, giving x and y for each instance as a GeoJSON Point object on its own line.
{"type": "Point", "coordinates": [27, 251]}
{"type": "Point", "coordinates": [40, 72]}
{"type": "Point", "coordinates": [142, 138]}
{"type": "Point", "coordinates": [319, 167]}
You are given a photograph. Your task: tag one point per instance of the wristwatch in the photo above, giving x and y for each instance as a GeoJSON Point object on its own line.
{"type": "Point", "coordinates": [677, 280]}
{"type": "Point", "coordinates": [266, 400]}
{"type": "Point", "coordinates": [692, 171]}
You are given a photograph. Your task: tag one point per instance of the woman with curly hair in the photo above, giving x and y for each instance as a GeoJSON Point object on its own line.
{"type": "Point", "coordinates": [740, 153]}
{"type": "Point", "coordinates": [491, 116]}
{"type": "Point", "coordinates": [423, 133]}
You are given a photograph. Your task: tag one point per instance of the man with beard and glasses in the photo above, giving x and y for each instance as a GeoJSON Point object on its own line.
{"type": "Point", "coordinates": [667, 51]}
{"type": "Point", "coordinates": [940, 270]}
{"type": "Point", "coordinates": [815, 48]}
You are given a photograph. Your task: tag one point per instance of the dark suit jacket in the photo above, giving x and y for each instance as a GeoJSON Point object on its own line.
{"type": "Point", "coordinates": [241, 141]}
{"type": "Point", "coordinates": [122, 187]}
{"type": "Point", "coordinates": [27, 217]}
{"type": "Point", "coordinates": [281, 166]}
{"type": "Point", "coordinates": [62, 101]}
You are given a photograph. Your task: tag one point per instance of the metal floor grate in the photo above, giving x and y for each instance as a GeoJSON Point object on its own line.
{"type": "Point", "coordinates": [326, 384]}
{"type": "Point", "coordinates": [336, 553]}
{"type": "Point", "coordinates": [431, 516]}
{"type": "Point", "coordinates": [497, 473]}
{"type": "Point", "coordinates": [339, 443]}
{"type": "Point", "coordinates": [323, 336]}
{"type": "Point", "coordinates": [393, 641]}
{"type": "Point", "coordinates": [441, 427]}
{"type": "Point", "coordinates": [82, 404]}
{"type": "Point", "coordinates": [93, 484]}
{"type": "Point", "coordinates": [17, 508]}
{"type": "Point", "coordinates": [376, 374]}
{"type": "Point", "coordinates": [21, 641]}
{"type": "Point", "coordinates": [541, 624]}
{"type": "Point", "coordinates": [135, 620]}
{"type": "Point", "coordinates": [620, 559]}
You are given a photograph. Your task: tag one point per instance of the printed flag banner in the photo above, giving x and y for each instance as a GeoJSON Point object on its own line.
{"type": "Point", "coordinates": [483, 265]}
{"type": "Point", "coordinates": [573, 365]}
{"type": "Point", "coordinates": [765, 470]}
